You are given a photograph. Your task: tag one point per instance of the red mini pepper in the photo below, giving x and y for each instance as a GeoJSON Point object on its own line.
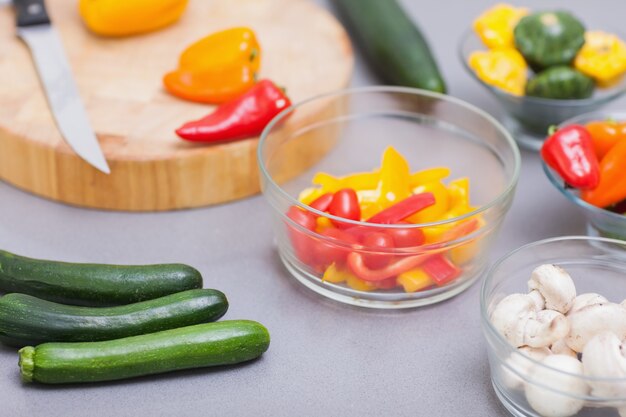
{"type": "Point", "coordinates": [570, 152]}
{"type": "Point", "coordinates": [403, 209]}
{"type": "Point", "coordinates": [243, 117]}
{"type": "Point", "coordinates": [345, 203]}
{"type": "Point", "coordinates": [322, 202]}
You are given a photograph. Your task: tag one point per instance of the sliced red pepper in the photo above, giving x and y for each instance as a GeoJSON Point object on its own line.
{"type": "Point", "coordinates": [357, 265]}
{"type": "Point", "coordinates": [387, 284]}
{"type": "Point", "coordinates": [322, 202]}
{"type": "Point", "coordinates": [302, 243]}
{"type": "Point", "coordinates": [460, 230]}
{"type": "Point", "coordinates": [373, 242]}
{"type": "Point", "coordinates": [243, 117]}
{"type": "Point", "coordinates": [327, 251]}
{"type": "Point", "coordinates": [440, 269]}
{"type": "Point", "coordinates": [403, 209]}
{"type": "Point", "coordinates": [345, 204]}
{"type": "Point", "coordinates": [407, 237]}
{"type": "Point", "coordinates": [570, 152]}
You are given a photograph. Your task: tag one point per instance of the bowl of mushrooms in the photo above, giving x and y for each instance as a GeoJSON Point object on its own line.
{"type": "Point", "coordinates": [554, 316]}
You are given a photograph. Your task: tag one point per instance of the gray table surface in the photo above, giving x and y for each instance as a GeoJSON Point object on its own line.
{"type": "Point", "coordinates": [326, 359]}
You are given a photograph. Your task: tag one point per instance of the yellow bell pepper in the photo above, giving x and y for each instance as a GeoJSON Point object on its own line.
{"type": "Point", "coordinates": [308, 195]}
{"type": "Point", "coordinates": [129, 17]}
{"type": "Point", "coordinates": [459, 193]}
{"type": "Point", "coordinates": [495, 26]}
{"type": "Point", "coordinates": [334, 274]}
{"type": "Point", "coordinates": [358, 284]}
{"type": "Point", "coordinates": [437, 210]}
{"type": "Point", "coordinates": [395, 178]}
{"type": "Point", "coordinates": [323, 223]}
{"type": "Point", "coordinates": [602, 57]}
{"type": "Point", "coordinates": [429, 175]}
{"type": "Point", "coordinates": [414, 280]}
{"type": "Point", "coordinates": [503, 68]}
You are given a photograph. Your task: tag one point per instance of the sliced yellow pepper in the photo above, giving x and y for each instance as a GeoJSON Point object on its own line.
{"type": "Point", "coordinates": [495, 26]}
{"type": "Point", "coordinates": [308, 195]}
{"type": "Point", "coordinates": [323, 223]}
{"type": "Point", "coordinates": [326, 182]}
{"type": "Point", "coordinates": [429, 175]}
{"type": "Point", "coordinates": [414, 280]}
{"type": "Point", "coordinates": [395, 178]}
{"type": "Point", "coordinates": [504, 68]}
{"type": "Point", "coordinates": [437, 210]}
{"type": "Point", "coordinates": [459, 193]}
{"type": "Point", "coordinates": [361, 181]}
{"type": "Point", "coordinates": [334, 274]}
{"type": "Point", "coordinates": [602, 57]}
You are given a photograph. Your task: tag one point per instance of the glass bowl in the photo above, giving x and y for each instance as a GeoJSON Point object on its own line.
{"type": "Point", "coordinates": [346, 132]}
{"type": "Point", "coordinates": [529, 118]}
{"type": "Point", "coordinates": [600, 222]}
{"type": "Point", "coordinates": [596, 265]}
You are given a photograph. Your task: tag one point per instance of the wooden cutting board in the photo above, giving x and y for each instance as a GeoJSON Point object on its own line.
{"type": "Point", "coordinates": [304, 49]}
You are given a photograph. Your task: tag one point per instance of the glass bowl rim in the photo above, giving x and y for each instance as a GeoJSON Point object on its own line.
{"type": "Point", "coordinates": [484, 316]}
{"type": "Point", "coordinates": [510, 187]}
{"type": "Point", "coordinates": [610, 96]}
{"type": "Point", "coordinates": [558, 182]}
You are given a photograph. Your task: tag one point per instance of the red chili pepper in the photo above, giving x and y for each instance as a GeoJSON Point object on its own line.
{"type": "Point", "coordinates": [440, 269]}
{"type": "Point", "coordinates": [403, 209]}
{"type": "Point", "coordinates": [373, 242]}
{"type": "Point", "coordinates": [345, 204]}
{"type": "Point", "coordinates": [356, 263]}
{"type": "Point", "coordinates": [243, 117]}
{"type": "Point", "coordinates": [327, 251]}
{"type": "Point", "coordinates": [322, 202]}
{"type": "Point", "coordinates": [570, 152]}
{"type": "Point", "coordinates": [301, 242]}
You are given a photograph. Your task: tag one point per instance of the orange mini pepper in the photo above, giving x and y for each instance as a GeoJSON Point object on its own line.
{"type": "Point", "coordinates": [612, 187]}
{"type": "Point", "coordinates": [605, 134]}
{"type": "Point", "coordinates": [217, 68]}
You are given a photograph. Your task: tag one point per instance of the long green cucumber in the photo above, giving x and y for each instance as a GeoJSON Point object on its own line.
{"type": "Point", "coordinates": [392, 43]}
{"type": "Point", "coordinates": [211, 344]}
{"type": "Point", "coordinates": [93, 284]}
{"type": "Point", "coordinates": [25, 319]}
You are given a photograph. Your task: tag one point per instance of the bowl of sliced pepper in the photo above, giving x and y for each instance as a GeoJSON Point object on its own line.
{"type": "Point", "coordinates": [403, 208]}
{"type": "Point", "coordinates": [585, 159]}
{"type": "Point", "coordinates": [543, 67]}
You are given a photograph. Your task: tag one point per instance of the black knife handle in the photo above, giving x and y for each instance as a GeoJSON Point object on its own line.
{"type": "Point", "coordinates": [31, 12]}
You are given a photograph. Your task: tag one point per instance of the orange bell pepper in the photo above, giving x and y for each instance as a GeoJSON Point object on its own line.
{"type": "Point", "coordinates": [605, 134]}
{"type": "Point", "coordinates": [612, 187]}
{"type": "Point", "coordinates": [217, 68]}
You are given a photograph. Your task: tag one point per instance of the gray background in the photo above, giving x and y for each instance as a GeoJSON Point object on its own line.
{"type": "Point", "coordinates": [325, 358]}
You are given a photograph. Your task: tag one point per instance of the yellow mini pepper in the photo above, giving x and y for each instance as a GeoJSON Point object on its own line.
{"type": "Point", "coordinates": [503, 68]}
{"type": "Point", "coordinates": [129, 17]}
{"type": "Point", "coordinates": [602, 57]}
{"type": "Point", "coordinates": [495, 26]}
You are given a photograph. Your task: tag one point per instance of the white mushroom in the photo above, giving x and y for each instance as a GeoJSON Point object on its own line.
{"type": "Point", "coordinates": [584, 300]}
{"type": "Point", "coordinates": [540, 302]}
{"type": "Point", "coordinates": [604, 357]}
{"type": "Point", "coordinates": [594, 319]}
{"type": "Point", "coordinates": [516, 319]}
{"type": "Point", "coordinates": [516, 368]}
{"type": "Point", "coordinates": [556, 392]}
{"type": "Point", "coordinates": [555, 285]}
{"type": "Point", "coordinates": [560, 348]}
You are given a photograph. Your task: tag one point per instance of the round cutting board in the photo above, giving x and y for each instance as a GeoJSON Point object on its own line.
{"type": "Point", "coordinates": [304, 49]}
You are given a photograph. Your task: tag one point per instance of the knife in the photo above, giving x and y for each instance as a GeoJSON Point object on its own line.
{"type": "Point", "coordinates": [35, 29]}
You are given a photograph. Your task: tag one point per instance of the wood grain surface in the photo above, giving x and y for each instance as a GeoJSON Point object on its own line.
{"type": "Point", "coordinates": [304, 49]}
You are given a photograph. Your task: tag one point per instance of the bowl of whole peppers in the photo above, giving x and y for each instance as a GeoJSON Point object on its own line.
{"type": "Point", "coordinates": [544, 67]}
{"type": "Point", "coordinates": [585, 159]}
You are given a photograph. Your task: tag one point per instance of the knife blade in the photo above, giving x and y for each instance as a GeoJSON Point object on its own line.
{"type": "Point", "coordinates": [35, 29]}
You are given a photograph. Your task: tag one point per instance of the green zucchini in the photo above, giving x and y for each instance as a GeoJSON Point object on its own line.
{"type": "Point", "coordinates": [93, 284]}
{"type": "Point", "coordinates": [25, 319]}
{"type": "Point", "coordinates": [562, 83]}
{"type": "Point", "coordinates": [548, 39]}
{"type": "Point", "coordinates": [392, 43]}
{"type": "Point", "coordinates": [210, 344]}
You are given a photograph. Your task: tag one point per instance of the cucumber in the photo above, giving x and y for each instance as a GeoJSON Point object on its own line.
{"type": "Point", "coordinates": [392, 43]}
{"type": "Point", "coordinates": [560, 83]}
{"type": "Point", "coordinates": [210, 344]}
{"type": "Point", "coordinates": [93, 284]}
{"type": "Point", "coordinates": [25, 319]}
